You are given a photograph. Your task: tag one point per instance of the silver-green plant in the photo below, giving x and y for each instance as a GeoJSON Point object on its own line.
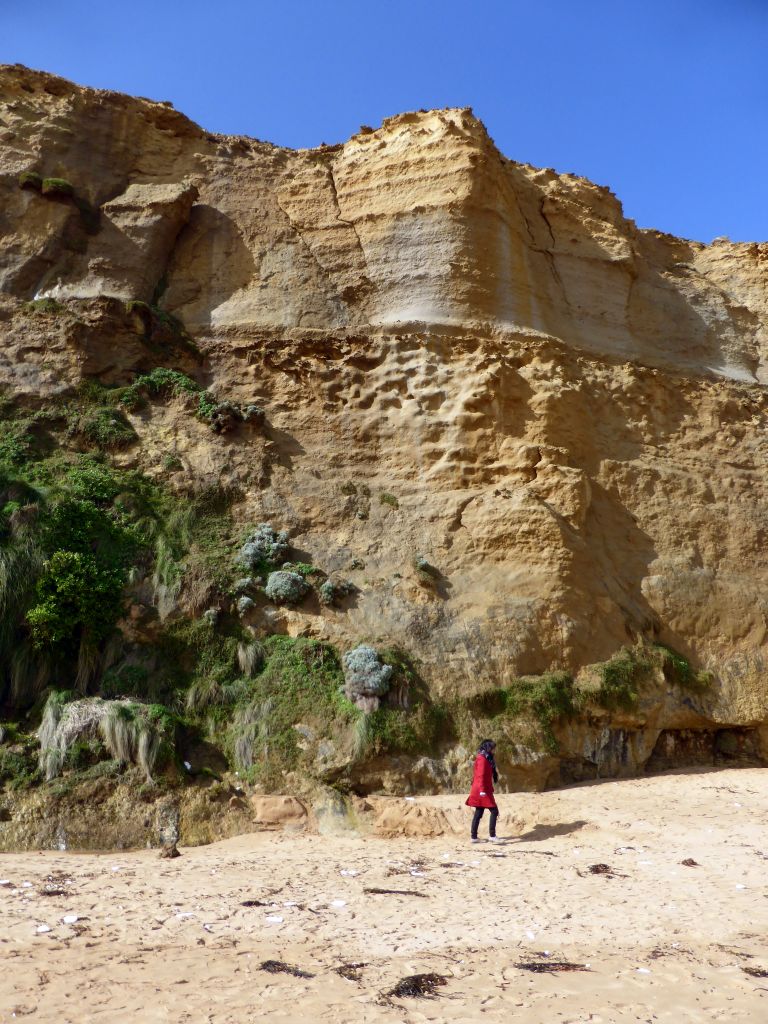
{"type": "Point", "coordinates": [263, 546]}
{"type": "Point", "coordinates": [131, 736]}
{"type": "Point", "coordinates": [366, 678]}
{"type": "Point", "coordinates": [286, 587]}
{"type": "Point", "coordinates": [65, 722]}
{"type": "Point", "coordinates": [129, 733]}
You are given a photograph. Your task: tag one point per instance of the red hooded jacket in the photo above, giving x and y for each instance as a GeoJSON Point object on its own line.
{"type": "Point", "coordinates": [481, 794]}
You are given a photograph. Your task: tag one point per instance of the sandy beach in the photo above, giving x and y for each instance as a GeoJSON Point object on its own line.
{"type": "Point", "coordinates": [128, 936]}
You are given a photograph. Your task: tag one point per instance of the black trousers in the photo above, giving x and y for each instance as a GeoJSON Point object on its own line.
{"type": "Point", "coordinates": [491, 824]}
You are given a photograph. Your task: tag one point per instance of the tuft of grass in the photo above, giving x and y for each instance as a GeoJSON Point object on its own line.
{"type": "Point", "coordinates": [103, 427]}
{"type": "Point", "coordinates": [47, 306]}
{"type": "Point", "coordinates": [680, 671]}
{"type": "Point", "coordinates": [31, 179]}
{"type": "Point", "coordinates": [139, 734]}
{"type": "Point", "coordinates": [57, 188]}
{"type": "Point", "coordinates": [389, 499]}
{"type": "Point", "coordinates": [158, 383]}
{"type": "Point", "coordinates": [620, 679]}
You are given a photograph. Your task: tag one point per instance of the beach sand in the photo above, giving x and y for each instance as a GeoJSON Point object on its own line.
{"type": "Point", "coordinates": [170, 940]}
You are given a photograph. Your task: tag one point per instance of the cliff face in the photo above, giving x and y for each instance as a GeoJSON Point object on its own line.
{"type": "Point", "coordinates": [461, 358]}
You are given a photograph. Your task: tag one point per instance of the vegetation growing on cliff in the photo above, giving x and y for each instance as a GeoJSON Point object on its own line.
{"type": "Point", "coordinates": [162, 382]}
{"type": "Point", "coordinates": [73, 531]}
{"type": "Point", "coordinates": [83, 541]}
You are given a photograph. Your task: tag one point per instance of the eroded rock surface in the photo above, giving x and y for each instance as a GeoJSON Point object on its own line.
{"type": "Point", "coordinates": [462, 358]}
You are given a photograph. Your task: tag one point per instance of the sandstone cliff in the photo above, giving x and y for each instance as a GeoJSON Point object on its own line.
{"type": "Point", "coordinates": [462, 359]}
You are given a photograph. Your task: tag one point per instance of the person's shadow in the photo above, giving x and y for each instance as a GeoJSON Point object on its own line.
{"type": "Point", "coordinates": [539, 832]}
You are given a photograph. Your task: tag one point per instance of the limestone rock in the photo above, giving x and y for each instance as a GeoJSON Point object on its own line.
{"type": "Point", "coordinates": [127, 258]}
{"type": "Point", "coordinates": [570, 411]}
{"type": "Point", "coordinates": [279, 811]}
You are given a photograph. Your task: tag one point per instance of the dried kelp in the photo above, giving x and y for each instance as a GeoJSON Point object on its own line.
{"type": "Point", "coordinates": [551, 966]}
{"type": "Point", "coordinates": [394, 892]}
{"type": "Point", "coordinates": [417, 986]}
{"type": "Point", "coordinates": [278, 967]}
{"type": "Point", "coordinates": [352, 972]}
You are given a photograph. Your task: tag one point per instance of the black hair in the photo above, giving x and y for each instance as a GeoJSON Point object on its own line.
{"type": "Point", "coordinates": [486, 749]}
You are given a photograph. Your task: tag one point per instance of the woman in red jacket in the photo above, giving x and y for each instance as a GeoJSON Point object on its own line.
{"type": "Point", "coordinates": [481, 794]}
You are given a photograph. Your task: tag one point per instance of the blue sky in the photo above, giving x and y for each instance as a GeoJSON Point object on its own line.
{"type": "Point", "coordinates": [665, 102]}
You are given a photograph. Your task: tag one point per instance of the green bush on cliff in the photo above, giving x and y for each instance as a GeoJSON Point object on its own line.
{"type": "Point", "coordinates": [15, 444]}
{"type": "Point", "coordinates": [31, 180]}
{"type": "Point", "coordinates": [222, 416]}
{"type": "Point", "coordinates": [299, 684]}
{"type": "Point", "coordinates": [680, 671]}
{"type": "Point", "coordinates": [78, 601]}
{"type": "Point", "coordinates": [527, 708]}
{"type": "Point", "coordinates": [49, 306]}
{"type": "Point", "coordinates": [71, 528]}
{"type": "Point", "coordinates": [402, 731]}
{"type": "Point", "coordinates": [57, 188]}
{"type": "Point", "coordinates": [621, 678]}
{"type": "Point", "coordinates": [18, 768]}
{"type": "Point", "coordinates": [160, 382]}
{"type": "Point", "coordinates": [103, 427]}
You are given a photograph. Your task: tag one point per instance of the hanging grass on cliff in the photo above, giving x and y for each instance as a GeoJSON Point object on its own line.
{"type": "Point", "coordinates": [132, 733]}
{"type": "Point", "coordinates": [73, 531]}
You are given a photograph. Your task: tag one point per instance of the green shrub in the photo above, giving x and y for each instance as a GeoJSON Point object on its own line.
{"type": "Point", "coordinates": [160, 382]}
{"type": "Point", "coordinates": [77, 599]}
{"type": "Point", "coordinates": [620, 677]}
{"type": "Point", "coordinates": [58, 188]}
{"type": "Point", "coordinates": [18, 768]}
{"type": "Point", "coordinates": [299, 683]}
{"type": "Point", "coordinates": [680, 671]}
{"type": "Point", "coordinates": [332, 591]}
{"type": "Point", "coordinates": [31, 179]}
{"type": "Point", "coordinates": [79, 594]}
{"type": "Point", "coordinates": [84, 754]}
{"type": "Point", "coordinates": [389, 499]}
{"type": "Point", "coordinates": [207, 406]}
{"type": "Point", "coordinates": [92, 480]}
{"type": "Point", "coordinates": [15, 444]}
{"type": "Point", "coordinates": [366, 676]}
{"type": "Point", "coordinates": [398, 731]}
{"type": "Point", "coordinates": [104, 427]}
{"type": "Point", "coordinates": [304, 569]}
{"type": "Point", "coordinates": [48, 306]}
{"type": "Point", "coordinates": [529, 706]}
{"type": "Point", "coordinates": [264, 549]}
{"type": "Point", "coordinates": [199, 657]}
{"type": "Point", "coordinates": [77, 524]}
